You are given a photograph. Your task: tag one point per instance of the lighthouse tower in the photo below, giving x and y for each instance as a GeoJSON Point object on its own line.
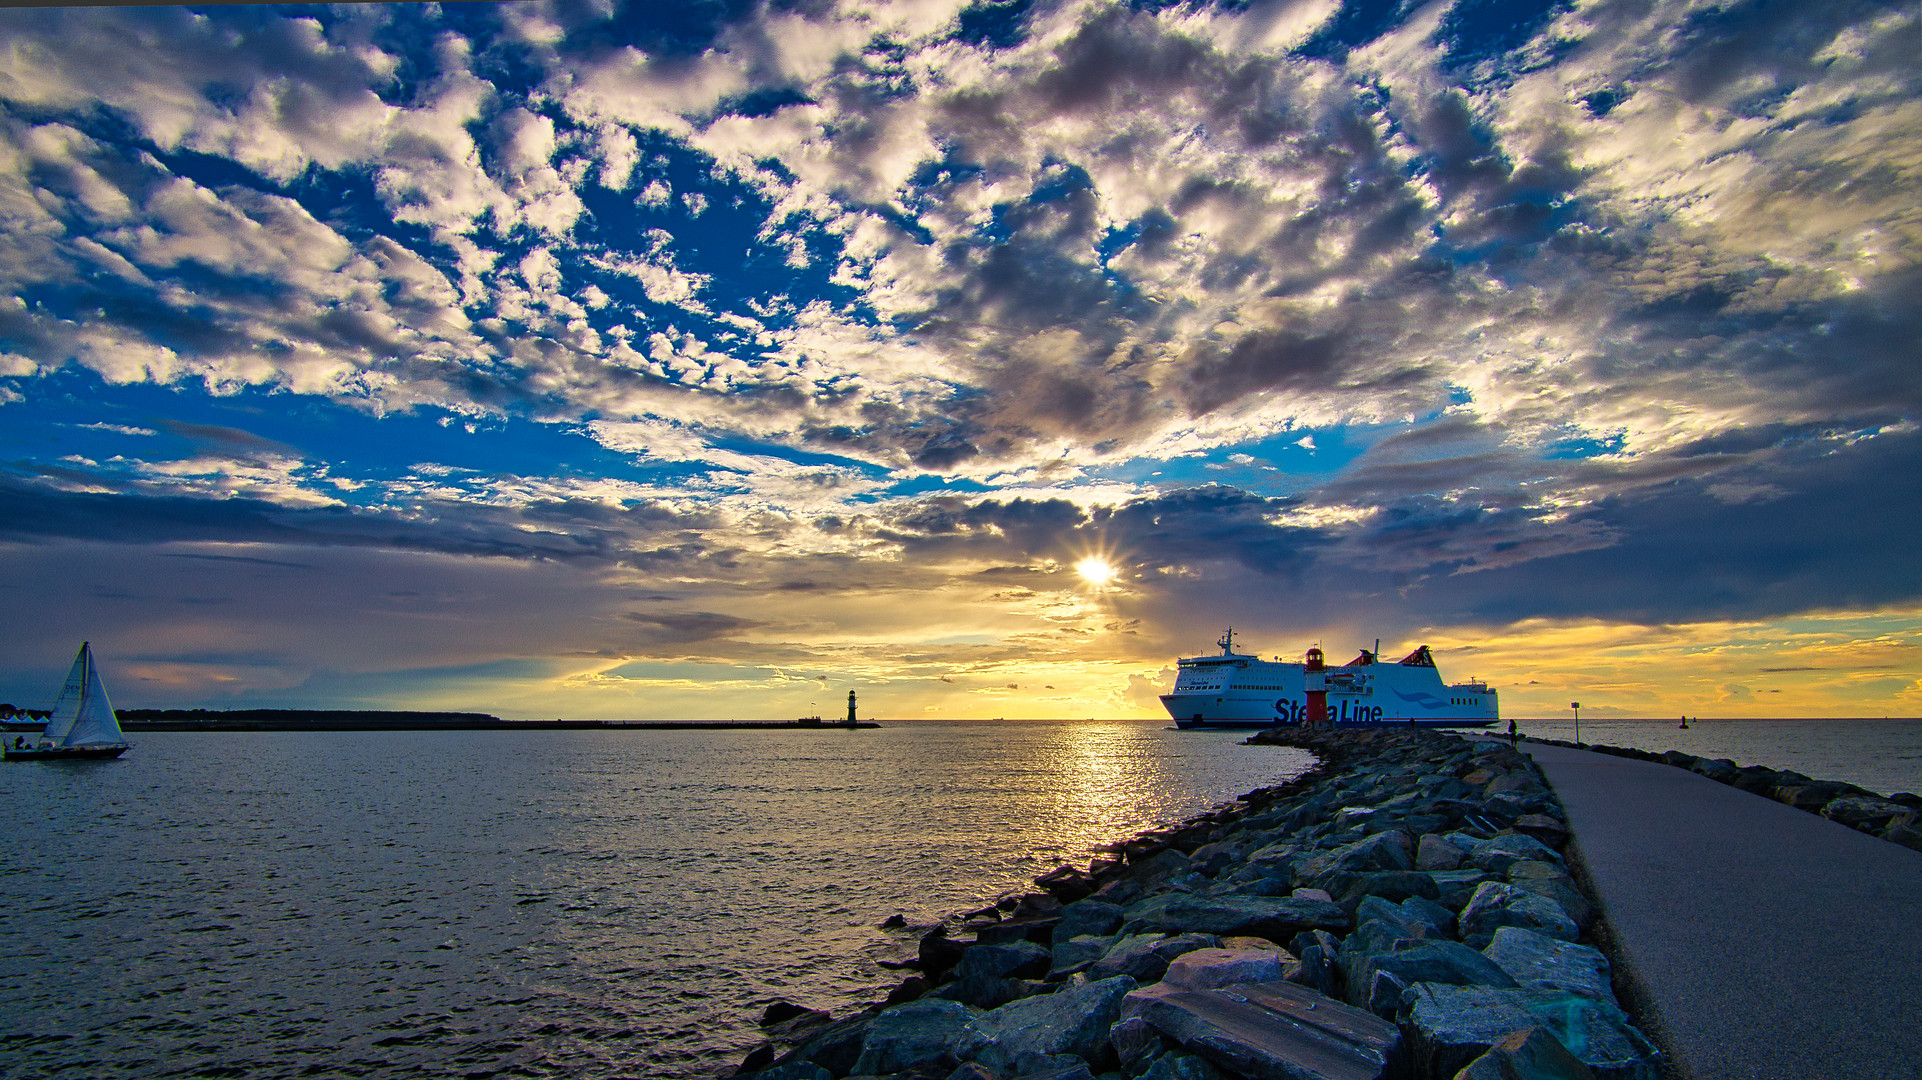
{"type": "Point", "coordinates": [850, 708]}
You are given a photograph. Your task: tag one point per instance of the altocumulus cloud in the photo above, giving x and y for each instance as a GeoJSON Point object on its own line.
{"type": "Point", "coordinates": [1483, 302]}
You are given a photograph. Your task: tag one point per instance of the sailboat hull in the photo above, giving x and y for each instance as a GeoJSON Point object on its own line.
{"type": "Point", "coordinates": [68, 753]}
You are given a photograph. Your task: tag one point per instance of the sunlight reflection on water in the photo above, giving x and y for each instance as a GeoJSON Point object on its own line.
{"type": "Point", "coordinates": [574, 903]}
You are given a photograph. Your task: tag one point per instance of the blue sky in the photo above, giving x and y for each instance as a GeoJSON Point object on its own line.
{"type": "Point", "coordinates": [607, 359]}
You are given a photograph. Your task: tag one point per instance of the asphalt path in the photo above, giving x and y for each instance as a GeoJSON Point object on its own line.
{"type": "Point", "coordinates": [1764, 940]}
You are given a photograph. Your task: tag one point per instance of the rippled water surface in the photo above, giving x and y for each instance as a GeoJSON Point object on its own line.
{"type": "Point", "coordinates": [1880, 755]}
{"type": "Point", "coordinates": [543, 904]}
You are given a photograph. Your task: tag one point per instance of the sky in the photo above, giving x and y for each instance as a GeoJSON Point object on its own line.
{"type": "Point", "coordinates": [713, 359]}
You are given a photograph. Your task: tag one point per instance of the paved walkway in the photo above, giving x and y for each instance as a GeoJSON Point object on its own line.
{"type": "Point", "coordinates": [1768, 941]}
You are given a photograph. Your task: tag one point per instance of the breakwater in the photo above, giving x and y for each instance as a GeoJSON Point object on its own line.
{"type": "Point", "coordinates": [1402, 911]}
{"type": "Point", "coordinates": [1896, 818]}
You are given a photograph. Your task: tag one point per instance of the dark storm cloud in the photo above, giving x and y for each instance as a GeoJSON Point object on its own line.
{"type": "Point", "coordinates": [690, 627]}
{"type": "Point", "coordinates": [1826, 526]}
{"type": "Point", "coordinates": [34, 514]}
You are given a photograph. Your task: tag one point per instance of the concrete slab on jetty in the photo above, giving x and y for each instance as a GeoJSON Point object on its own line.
{"type": "Point", "coordinates": [1766, 942]}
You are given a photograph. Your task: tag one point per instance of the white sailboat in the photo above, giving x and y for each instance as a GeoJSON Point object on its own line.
{"type": "Point", "coordinates": [82, 726]}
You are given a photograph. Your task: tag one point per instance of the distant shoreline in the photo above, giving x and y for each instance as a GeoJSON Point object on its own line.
{"type": "Point", "coordinates": [141, 720]}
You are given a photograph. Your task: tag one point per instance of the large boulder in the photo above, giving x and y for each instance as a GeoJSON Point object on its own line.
{"type": "Point", "coordinates": [1868, 814]}
{"type": "Point", "coordinates": [1497, 904]}
{"type": "Point", "coordinates": [1390, 850]}
{"type": "Point", "coordinates": [1016, 960]}
{"type": "Point", "coordinates": [1451, 1026]}
{"type": "Point", "coordinates": [1552, 883]}
{"type": "Point", "coordinates": [1136, 1044]}
{"type": "Point", "coordinates": [1205, 969]}
{"type": "Point", "coordinates": [1096, 918]}
{"type": "Point", "coordinates": [1379, 980]}
{"type": "Point", "coordinates": [1437, 853]}
{"type": "Point", "coordinates": [1455, 887]}
{"type": "Point", "coordinates": [1145, 957]}
{"type": "Point", "coordinates": [1531, 1054]}
{"type": "Point", "coordinates": [1074, 1020]}
{"type": "Point", "coordinates": [1274, 918]}
{"type": "Point", "coordinates": [1076, 953]}
{"type": "Point", "coordinates": [1272, 1031]}
{"type": "Point", "coordinates": [1497, 853]}
{"type": "Point", "coordinates": [1179, 1066]}
{"type": "Point", "coordinates": [917, 1035]}
{"type": "Point", "coordinates": [834, 1047]}
{"type": "Point", "coordinates": [1537, 962]}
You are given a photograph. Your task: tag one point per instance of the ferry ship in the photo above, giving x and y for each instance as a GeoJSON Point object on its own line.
{"type": "Point", "coordinates": [1240, 690]}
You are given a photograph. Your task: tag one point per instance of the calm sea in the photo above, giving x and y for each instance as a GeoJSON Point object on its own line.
{"type": "Point", "coordinates": [1880, 755]}
{"type": "Point", "coordinates": [543, 904]}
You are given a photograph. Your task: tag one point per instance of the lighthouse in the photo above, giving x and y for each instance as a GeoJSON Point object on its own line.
{"type": "Point", "coordinates": [850, 708]}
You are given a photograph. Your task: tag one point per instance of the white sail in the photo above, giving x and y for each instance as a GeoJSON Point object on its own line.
{"type": "Point", "coordinates": [67, 708]}
{"type": "Point", "coordinates": [94, 723]}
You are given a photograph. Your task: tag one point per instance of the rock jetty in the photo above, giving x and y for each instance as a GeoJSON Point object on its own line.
{"type": "Point", "coordinates": [1403, 911]}
{"type": "Point", "coordinates": [1896, 818]}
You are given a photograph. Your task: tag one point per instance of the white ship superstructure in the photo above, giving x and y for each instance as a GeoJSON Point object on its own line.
{"type": "Point", "coordinates": [1236, 689]}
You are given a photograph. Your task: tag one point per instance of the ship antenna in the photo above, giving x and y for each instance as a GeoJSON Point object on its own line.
{"type": "Point", "coordinates": [1227, 642]}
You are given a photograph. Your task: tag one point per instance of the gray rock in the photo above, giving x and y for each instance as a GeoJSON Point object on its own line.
{"type": "Point", "coordinates": [1390, 850]}
{"type": "Point", "coordinates": [1436, 853]}
{"type": "Point", "coordinates": [1178, 1066]}
{"type": "Point", "coordinates": [1547, 882]}
{"type": "Point", "coordinates": [1273, 1031]}
{"type": "Point", "coordinates": [1867, 814]}
{"type": "Point", "coordinates": [1212, 859]}
{"type": "Point", "coordinates": [1536, 962]}
{"type": "Point", "coordinates": [1533, 1054]}
{"type": "Point", "coordinates": [1319, 955]}
{"type": "Point", "coordinates": [1074, 1070]}
{"type": "Point", "coordinates": [1411, 962]}
{"type": "Point", "coordinates": [1136, 1044]}
{"type": "Point", "coordinates": [1073, 1020]}
{"type": "Point", "coordinates": [1451, 1026]}
{"type": "Point", "coordinates": [1016, 960]}
{"type": "Point", "coordinates": [1497, 853]}
{"type": "Point", "coordinates": [1077, 953]}
{"type": "Point", "coordinates": [917, 1035]}
{"type": "Point", "coordinates": [1162, 864]}
{"type": "Point", "coordinates": [981, 991]}
{"type": "Point", "coordinates": [971, 1071]}
{"type": "Point", "coordinates": [1205, 969]}
{"type": "Point", "coordinates": [1390, 885]}
{"type": "Point", "coordinates": [795, 1070]}
{"type": "Point", "coordinates": [1275, 918]}
{"type": "Point", "coordinates": [1036, 928]}
{"type": "Point", "coordinates": [1096, 918]}
{"type": "Point", "coordinates": [1547, 828]}
{"type": "Point", "coordinates": [1455, 887]}
{"type": "Point", "coordinates": [834, 1048]}
{"type": "Point", "coordinates": [1497, 904]}
{"type": "Point", "coordinates": [1145, 957]}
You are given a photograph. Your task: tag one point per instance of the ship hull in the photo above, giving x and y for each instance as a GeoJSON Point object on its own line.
{"type": "Point", "coordinates": [1262, 725]}
{"type": "Point", "coordinates": [69, 753]}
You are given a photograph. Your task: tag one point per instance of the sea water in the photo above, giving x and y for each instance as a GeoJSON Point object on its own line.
{"type": "Point", "coordinates": [573, 904]}
{"type": "Point", "coordinates": [1884, 756]}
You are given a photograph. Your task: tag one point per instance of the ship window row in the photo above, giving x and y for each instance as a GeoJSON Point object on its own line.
{"type": "Point", "coordinates": [1467, 700]}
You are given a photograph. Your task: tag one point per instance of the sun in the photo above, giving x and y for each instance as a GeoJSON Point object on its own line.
{"type": "Point", "coordinates": [1096, 570]}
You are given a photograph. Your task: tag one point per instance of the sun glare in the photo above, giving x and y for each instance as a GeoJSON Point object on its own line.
{"type": "Point", "coordinates": [1095, 570]}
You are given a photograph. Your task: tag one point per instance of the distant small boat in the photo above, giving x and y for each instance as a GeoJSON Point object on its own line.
{"type": "Point", "coordinates": [82, 727]}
